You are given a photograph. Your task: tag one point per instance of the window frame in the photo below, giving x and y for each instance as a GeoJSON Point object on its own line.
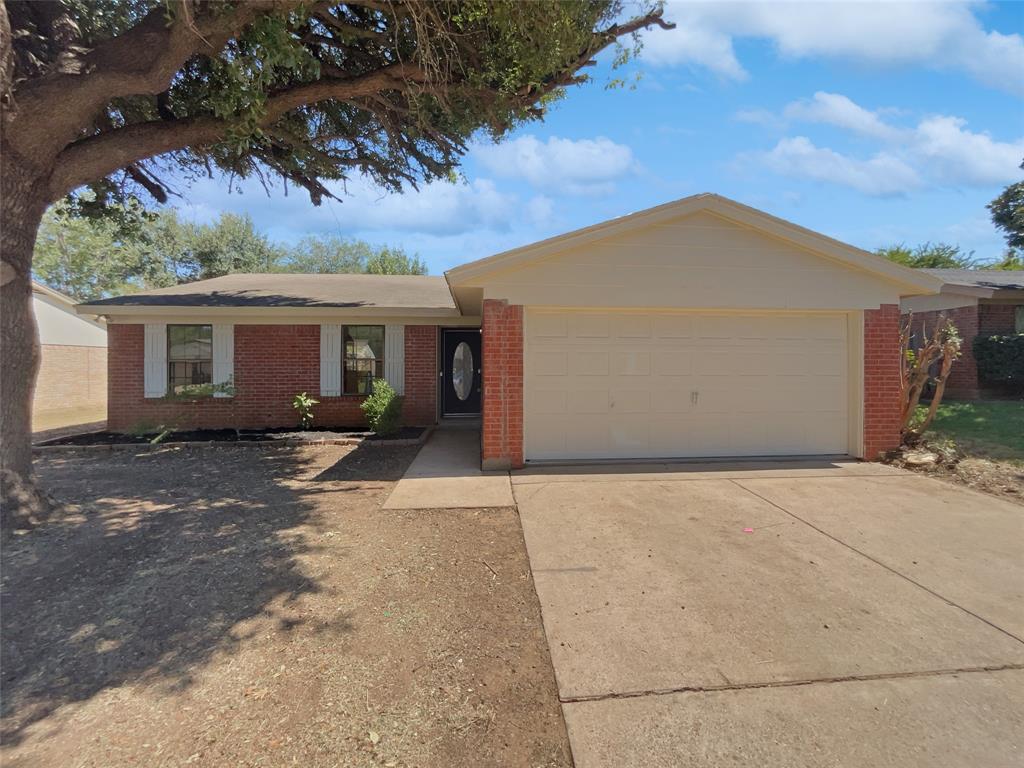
{"type": "Point", "coordinates": [172, 360]}
{"type": "Point", "coordinates": [1018, 318]}
{"type": "Point", "coordinates": [378, 362]}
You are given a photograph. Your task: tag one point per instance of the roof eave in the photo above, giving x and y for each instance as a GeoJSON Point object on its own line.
{"type": "Point", "coordinates": [961, 289]}
{"type": "Point", "coordinates": [304, 311]}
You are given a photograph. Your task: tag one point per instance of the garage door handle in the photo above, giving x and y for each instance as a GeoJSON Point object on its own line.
{"type": "Point", "coordinates": [694, 396]}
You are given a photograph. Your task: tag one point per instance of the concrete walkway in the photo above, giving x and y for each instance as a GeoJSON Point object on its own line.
{"type": "Point", "coordinates": [446, 475]}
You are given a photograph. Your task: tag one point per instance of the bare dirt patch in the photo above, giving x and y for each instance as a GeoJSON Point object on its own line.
{"type": "Point", "coordinates": [256, 607]}
{"type": "Point", "coordinates": [999, 478]}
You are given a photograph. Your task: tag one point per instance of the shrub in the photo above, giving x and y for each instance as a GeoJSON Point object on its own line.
{"type": "Point", "coordinates": [383, 408]}
{"type": "Point", "coordinates": [1001, 360]}
{"type": "Point", "coordinates": [303, 403]}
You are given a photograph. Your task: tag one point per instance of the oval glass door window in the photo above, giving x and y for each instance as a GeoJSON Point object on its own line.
{"type": "Point", "coordinates": [462, 370]}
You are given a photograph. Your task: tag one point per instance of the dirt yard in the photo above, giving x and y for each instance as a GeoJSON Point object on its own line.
{"type": "Point", "coordinates": [255, 607]}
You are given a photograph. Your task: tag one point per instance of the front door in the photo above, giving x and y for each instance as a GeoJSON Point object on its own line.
{"type": "Point", "coordinates": [462, 366]}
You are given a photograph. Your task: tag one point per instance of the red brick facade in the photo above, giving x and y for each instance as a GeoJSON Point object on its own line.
{"type": "Point", "coordinates": [963, 376]}
{"type": "Point", "coordinates": [997, 319]}
{"type": "Point", "coordinates": [420, 406]}
{"type": "Point", "coordinates": [881, 380]}
{"type": "Point", "coordinates": [978, 320]}
{"type": "Point", "coordinates": [272, 364]}
{"type": "Point", "coordinates": [502, 433]}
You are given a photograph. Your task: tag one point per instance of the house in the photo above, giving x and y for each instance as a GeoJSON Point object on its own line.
{"type": "Point", "coordinates": [979, 303]}
{"type": "Point", "coordinates": [697, 328]}
{"type": "Point", "coordinates": [72, 384]}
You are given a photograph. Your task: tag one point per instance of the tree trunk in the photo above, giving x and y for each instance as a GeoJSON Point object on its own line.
{"type": "Point", "coordinates": [22, 204]}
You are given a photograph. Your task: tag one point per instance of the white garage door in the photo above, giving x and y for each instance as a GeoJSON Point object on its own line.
{"type": "Point", "coordinates": [660, 385]}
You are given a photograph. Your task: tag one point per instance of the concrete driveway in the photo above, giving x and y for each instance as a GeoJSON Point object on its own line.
{"type": "Point", "coordinates": [872, 617]}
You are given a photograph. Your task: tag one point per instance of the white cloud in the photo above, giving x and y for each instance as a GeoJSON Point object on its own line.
{"type": "Point", "coordinates": [439, 208]}
{"type": "Point", "coordinates": [836, 109]}
{"type": "Point", "coordinates": [958, 155]}
{"type": "Point", "coordinates": [583, 166]}
{"type": "Point", "coordinates": [942, 35]}
{"type": "Point", "coordinates": [939, 149]}
{"type": "Point", "coordinates": [882, 175]}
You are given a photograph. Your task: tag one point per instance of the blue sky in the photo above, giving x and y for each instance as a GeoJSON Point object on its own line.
{"type": "Point", "coordinates": [873, 122]}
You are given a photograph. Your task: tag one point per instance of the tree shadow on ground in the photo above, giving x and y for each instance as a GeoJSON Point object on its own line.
{"type": "Point", "coordinates": [150, 577]}
{"type": "Point", "coordinates": [371, 463]}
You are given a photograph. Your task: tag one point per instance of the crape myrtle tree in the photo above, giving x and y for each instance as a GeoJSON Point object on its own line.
{"type": "Point", "coordinates": [116, 97]}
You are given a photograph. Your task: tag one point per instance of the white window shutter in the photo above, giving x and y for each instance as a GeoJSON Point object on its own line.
{"type": "Point", "coordinates": [394, 357]}
{"type": "Point", "coordinates": [330, 359]}
{"type": "Point", "coordinates": [155, 360]}
{"type": "Point", "coordinates": [223, 356]}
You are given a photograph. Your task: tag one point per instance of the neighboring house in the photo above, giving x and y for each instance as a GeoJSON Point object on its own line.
{"type": "Point", "coordinates": [698, 328]}
{"type": "Point", "coordinates": [980, 303]}
{"type": "Point", "coordinates": [72, 384]}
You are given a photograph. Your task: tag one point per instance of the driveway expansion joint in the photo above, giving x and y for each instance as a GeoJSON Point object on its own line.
{"type": "Point", "coordinates": [877, 562]}
{"type": "Point", "coordinates": [790, 683]}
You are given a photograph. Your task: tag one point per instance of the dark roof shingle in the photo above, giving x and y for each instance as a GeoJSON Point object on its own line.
{"type": "Point", "coordinates": [981, 278]}
{"type": "Point", "coordinates": [298, 290]}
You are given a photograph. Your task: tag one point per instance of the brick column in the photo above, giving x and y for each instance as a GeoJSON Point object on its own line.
{"type": "Point", "coordinates": [881, 380]}
{"type": "Point", "coordinates": [502, 434]}
{"type": "Point", "coordinates": [420, 403]}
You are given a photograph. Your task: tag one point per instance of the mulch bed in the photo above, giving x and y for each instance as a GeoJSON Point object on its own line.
{"type": "Point", "coordinates": [211, 607]}
{"type": "Point", "coordinates": [233, 436]}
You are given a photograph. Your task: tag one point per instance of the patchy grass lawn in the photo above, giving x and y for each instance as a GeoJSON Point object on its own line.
{"type": "Point", "coordinates": [989, 435]}
{"type": "Point", "coordinates": [994, 429]}
{"type": "Point", "coordinates": [256, 607]}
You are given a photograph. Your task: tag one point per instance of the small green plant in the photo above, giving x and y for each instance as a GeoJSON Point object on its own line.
{"type": "Point", "coordinates": [303, 403]}
{"type": "Point", "coordinates": [383, 409]}
{"type": "Point", "coordinates": [156, 433]}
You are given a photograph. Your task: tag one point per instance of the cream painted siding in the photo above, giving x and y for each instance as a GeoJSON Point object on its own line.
{"type": "Point", "coordinates": [700, 261]}
{"type": "Point", "coordinates": [643, 384]}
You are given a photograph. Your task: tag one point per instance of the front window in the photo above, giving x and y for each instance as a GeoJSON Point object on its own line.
{"type": "Point", "coordinates": [189, 356]}
{"type": "Point", "coordinates": [1019, 319]}
{"type": "Point", "coordinates": [364, 358]}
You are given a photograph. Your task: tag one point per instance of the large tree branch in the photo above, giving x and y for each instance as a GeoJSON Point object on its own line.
{"type": "Point", "coordinates": [143, 60]}
{"type": "Point", "coordinates": [98, 156]}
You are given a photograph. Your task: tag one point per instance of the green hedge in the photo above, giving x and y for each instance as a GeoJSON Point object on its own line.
{"type": "Point", "coordinates": [1001, 360]}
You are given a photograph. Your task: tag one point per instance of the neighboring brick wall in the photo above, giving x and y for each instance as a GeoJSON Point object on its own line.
{"type": "Point", "coordinates": [963, 376]}
{"type": "Point", "coordinates": [881, 380]}
{"type": "Point", "coordinates": [996, 319]}
{"type": "Point", "coordinates": [272, 364]}
{"type": "Point", "coordinates": [502, 435]}
{"type": "Point", "coordinates": [70, 377]}
{"type": "Point", "coordinates": [420, 406]}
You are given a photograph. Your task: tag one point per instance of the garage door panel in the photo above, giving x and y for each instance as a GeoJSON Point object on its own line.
{"type": "Point", "coordinates": [672, 398]}
{"type": "Point", "coordinates": [632, 327]}
{"type": "Point", "coordinates": [631, 362]}
{"type": "Point", "coordinates": [673, 362]}
{"type": "Point", "coordinates": [650, 385]}
{"type": "Point", "coordinates": [629, 436]}
{"type": "Point", "coordinates": [672, 326]}
{"type": "Point", "coordinates": [588, 439]}
{"type": "Point", "coordinates": [630, 401]}
{"type": "Point", "coordinates": [549, 363]}
{"type": "Point", "coordinates": [588, 363]}
{"type": "Point", "coordinates": [717, 362]}
{"type": "Point", "coordinates": [589, 401]}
